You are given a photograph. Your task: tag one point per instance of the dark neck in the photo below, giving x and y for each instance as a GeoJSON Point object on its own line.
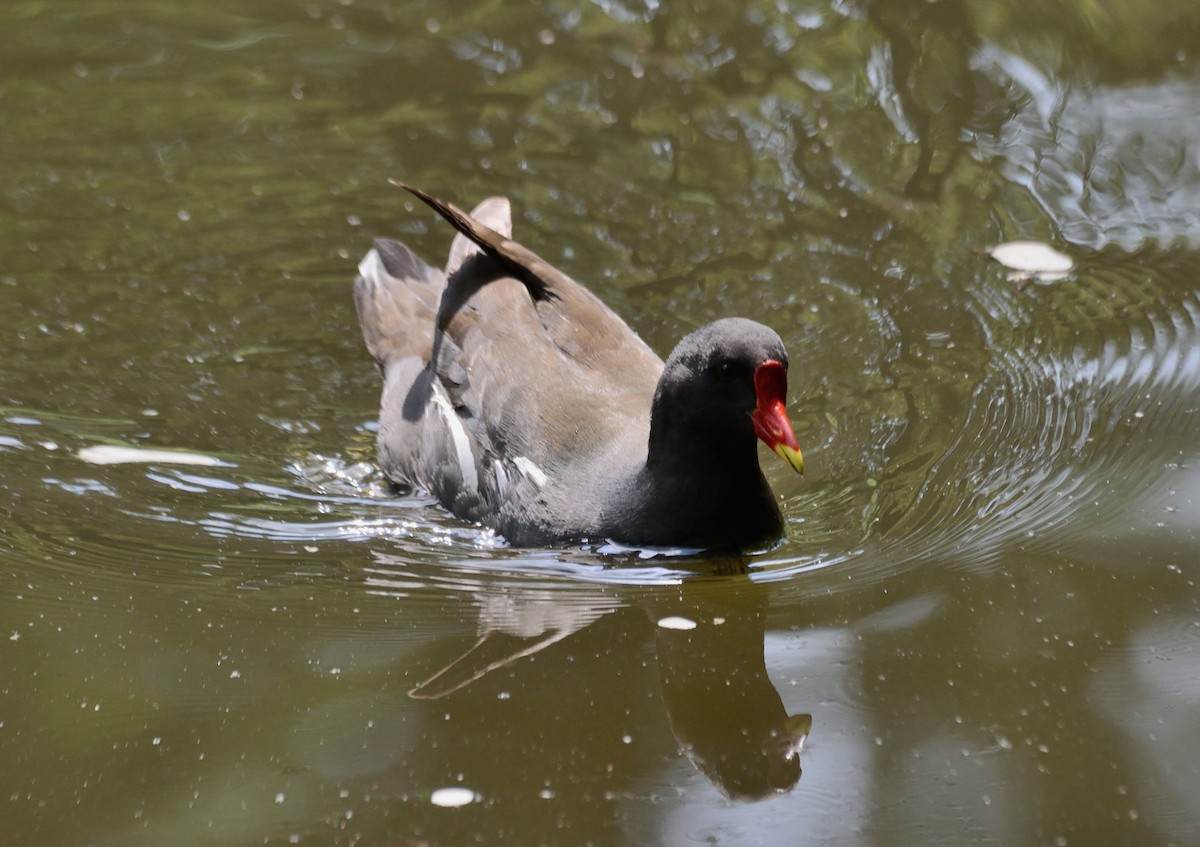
{"type": "Point", "coordinates": [724, 456]}
{"type": "Point", "coordinates": [697, 490]}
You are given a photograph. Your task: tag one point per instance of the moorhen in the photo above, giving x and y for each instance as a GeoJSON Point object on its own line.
{"type": "Point", "coordinates": [520, 401]}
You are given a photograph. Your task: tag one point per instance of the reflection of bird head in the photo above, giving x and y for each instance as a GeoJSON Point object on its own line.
{"type": "Point", "coordinates": [745, 765]}
{"type": "Point", "coordinates": [724, 710]}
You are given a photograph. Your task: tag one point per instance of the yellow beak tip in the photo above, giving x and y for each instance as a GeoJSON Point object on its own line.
{"type": "Point", "coordinates": [792, 456]}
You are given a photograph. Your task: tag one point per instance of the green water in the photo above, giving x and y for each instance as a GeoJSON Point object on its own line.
{"type": "Point", "coordinates": [986, 600]}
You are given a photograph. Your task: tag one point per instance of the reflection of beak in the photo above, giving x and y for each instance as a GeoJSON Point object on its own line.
{"type": "Point", "coordinates": [782, 747]}
{"type": "Point", "coordinates": [770, 418]}
{"type": "Point", "coordinates": [796, 729]}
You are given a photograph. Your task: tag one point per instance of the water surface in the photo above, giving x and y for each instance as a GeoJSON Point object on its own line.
{"type": "Point", "coordinates": [984, 619]}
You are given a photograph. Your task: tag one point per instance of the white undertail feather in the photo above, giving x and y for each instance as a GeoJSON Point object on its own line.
{"type": "Point", "coordinates": [458, 433]}
{"type": "Point", "coordinates": [371, 266]}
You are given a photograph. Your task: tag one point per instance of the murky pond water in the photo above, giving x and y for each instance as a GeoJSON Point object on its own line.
{"type": "Point", "coordinates": [985, 614]}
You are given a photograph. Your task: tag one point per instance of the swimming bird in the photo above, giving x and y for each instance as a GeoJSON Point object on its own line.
{"type": "Point", "coordinates": [522, 402]}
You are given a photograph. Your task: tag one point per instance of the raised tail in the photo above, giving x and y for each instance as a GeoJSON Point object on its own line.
{"type": "Point", "coordinates": [397, 298]}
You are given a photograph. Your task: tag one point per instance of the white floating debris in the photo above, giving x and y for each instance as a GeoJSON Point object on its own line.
{"type": "Point", "coordinates": [1032, 260]}
{"type": "Point", "coordinates": [111, 454]}
{"type": "Point", "coordinates": [450, 798]}
{"type": "Point", "coordinates": [676, 622]}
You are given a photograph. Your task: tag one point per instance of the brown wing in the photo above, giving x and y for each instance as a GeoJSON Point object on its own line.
{"type": "Point", "coordinates": [537, 365]}
{"type": "Point", "coordinates": [577, 321]}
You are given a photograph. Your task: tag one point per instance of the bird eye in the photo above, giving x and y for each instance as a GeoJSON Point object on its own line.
{"type": "Point", "coordinates": [725, 371]}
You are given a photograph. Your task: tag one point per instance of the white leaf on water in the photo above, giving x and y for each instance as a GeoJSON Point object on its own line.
{"type": "Point", "coordinates": [1032, 260]}
{"type": "Point", "coordinates": [111, 454]}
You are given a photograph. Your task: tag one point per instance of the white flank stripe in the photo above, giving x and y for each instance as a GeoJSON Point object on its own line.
{"type": "Point", "coordinates": [462, 444]}
{"type": "Point", "coordinates": [501, 476]}
{"type": "Point", "coordinates": [527, 467]}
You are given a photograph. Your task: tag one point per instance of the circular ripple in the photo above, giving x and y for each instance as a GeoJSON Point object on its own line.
{"type": "Point", "coordinates": [1077, 376]}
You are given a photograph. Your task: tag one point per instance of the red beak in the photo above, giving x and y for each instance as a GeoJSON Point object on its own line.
{"type": "Point", "coordinates": [770, 418]}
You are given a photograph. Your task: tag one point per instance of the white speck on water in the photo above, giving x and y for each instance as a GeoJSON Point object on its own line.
{"type": "Point", "coordinates": [449, 798]}
{"type": "Point", "coordinates": [676, 622]}
{"type": "Point", "coordinates": [280, 797]}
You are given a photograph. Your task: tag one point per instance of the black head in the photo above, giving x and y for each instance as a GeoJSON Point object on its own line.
{"type": "Point", "coordinates": [709, 377]}
{"type": "Point", "coordinates": [723, 384]}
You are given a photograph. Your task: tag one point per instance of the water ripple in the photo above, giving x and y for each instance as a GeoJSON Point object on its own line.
{"type": "Point", "coordinates": [1076, 374]}
{"type": "Point", "coordinates": [1068, 387]}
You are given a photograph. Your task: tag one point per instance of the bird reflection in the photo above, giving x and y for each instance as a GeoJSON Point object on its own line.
{"type": "Point", "coordinates": [725, 713]}
{"type": "Point", "coordinates": [515, 623]}
{"type": "Point", "coordinates": [724, 710]}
